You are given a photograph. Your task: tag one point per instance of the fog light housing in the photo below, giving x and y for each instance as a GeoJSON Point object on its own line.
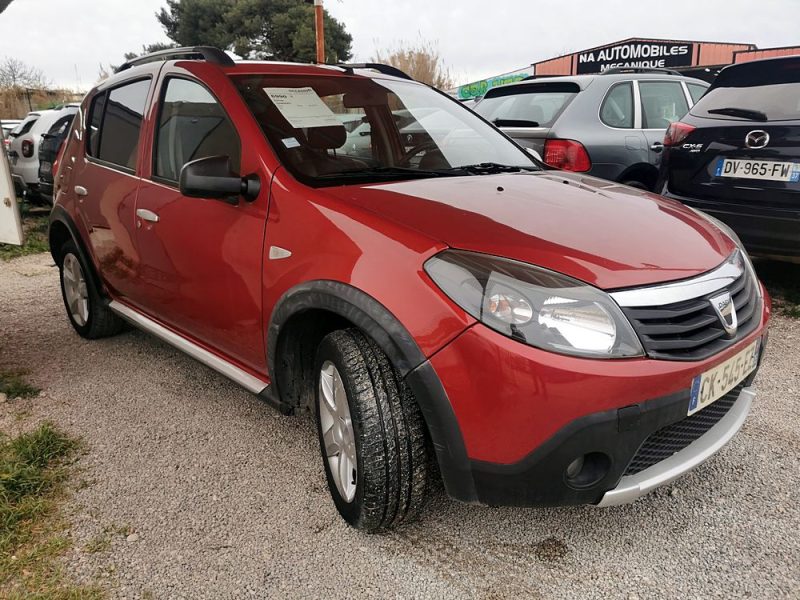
{"type": "Point", "coordinates": [587, 470]}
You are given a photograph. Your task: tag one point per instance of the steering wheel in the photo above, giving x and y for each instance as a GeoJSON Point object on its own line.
{"type": "Point", "coordinates": [405, 160]}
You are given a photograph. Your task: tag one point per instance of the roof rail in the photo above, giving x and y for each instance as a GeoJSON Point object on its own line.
{"type": "Point", "coordinates": [619, 70]}
{"type": "Point", "coordinates": [208, 53]}
{"type": "Point", "coordinates": [385, 69]}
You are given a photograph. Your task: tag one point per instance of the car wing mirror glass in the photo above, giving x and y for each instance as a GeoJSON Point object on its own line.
{"type": "Point", "coordinates": [211, 177]}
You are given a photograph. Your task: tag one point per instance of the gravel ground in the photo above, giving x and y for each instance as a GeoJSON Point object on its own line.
{"type": "Point", "coordinates": [205, 492]}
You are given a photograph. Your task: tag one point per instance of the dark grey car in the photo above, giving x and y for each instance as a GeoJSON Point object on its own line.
{"type": "Point", "coordinates": [610, 125]}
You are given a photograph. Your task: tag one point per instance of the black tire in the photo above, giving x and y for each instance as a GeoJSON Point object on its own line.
{"type": "Point", "coordinates": [391, 449]}
{"type": "Point", "coordinates": [639, 185]}
{"type": "Point", "coordinates": [101, 321]}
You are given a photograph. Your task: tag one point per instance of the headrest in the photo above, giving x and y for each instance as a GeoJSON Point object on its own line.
{"type": "Point", "coordinates": [325, 138]}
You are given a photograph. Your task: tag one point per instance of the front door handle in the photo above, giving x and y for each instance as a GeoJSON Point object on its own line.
{"type": "Point", "coordinates": [81, 191]}
{"type": "Point", "coordinates": [147, 215]}
{"type": "Point", "coordinates": [657, 147]}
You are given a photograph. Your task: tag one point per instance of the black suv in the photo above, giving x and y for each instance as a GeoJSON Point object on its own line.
{"type": "Point", "coordinates": [736, 155]}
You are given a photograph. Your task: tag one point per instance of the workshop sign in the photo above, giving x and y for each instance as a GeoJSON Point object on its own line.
{"type": "Point", "coordinates": [644, 55]}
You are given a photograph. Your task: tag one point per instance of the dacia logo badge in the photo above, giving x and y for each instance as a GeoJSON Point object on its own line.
{"type": "Point", "coordinates": [726, 311]}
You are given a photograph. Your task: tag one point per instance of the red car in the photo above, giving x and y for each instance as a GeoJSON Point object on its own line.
{"type": "Point", "coordinates": [548, 338]}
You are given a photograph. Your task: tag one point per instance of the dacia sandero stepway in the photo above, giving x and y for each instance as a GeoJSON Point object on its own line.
{"type": "Point", "coordinates": [346, 240]}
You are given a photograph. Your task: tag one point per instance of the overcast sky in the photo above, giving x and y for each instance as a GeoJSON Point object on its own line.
{"type": "Point", "coordinates": [68, 39]}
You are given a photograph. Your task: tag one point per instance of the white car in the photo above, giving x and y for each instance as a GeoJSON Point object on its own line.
{"type": "Point", "coordinates": [23, 152]}
{"type": "Point", "coordinates": [7, 126]}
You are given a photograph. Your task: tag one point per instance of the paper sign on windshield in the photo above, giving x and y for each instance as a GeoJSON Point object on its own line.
{"type": "Point", "coordinates": [302, 107]}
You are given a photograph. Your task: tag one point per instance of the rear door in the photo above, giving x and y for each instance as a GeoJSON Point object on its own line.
{"type": "Point", "coordinates": [661, 103]}
{"type": "Point", "coordinates": [106, 180]}
{"type": "Point", "coordinates": [201, 268]}
{"type": "Point", "coordinates": [10, 223]}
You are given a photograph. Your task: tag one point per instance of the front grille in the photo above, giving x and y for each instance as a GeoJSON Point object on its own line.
{"type": "Point", "coordinates": [671, 439]}
{"type": "Point", "coordinates": [691, 330]}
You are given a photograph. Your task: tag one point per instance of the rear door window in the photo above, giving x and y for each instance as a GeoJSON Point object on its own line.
{"type": "Point", "coordinates": [663, 102]}
{"type": "Point", "coordinates": [617, 108]}
{"type": "Point", "coordinates": [192, 124]}
{"type": "Point", "coordinates": [539, 103]}
{"type": "Point", "coordinates": [118, 137]}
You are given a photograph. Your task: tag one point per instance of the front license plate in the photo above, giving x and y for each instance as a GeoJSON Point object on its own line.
{"type": "Point", "coordinates": [712, 385]}
{"type": "Point", "coordinates": [768, 170]}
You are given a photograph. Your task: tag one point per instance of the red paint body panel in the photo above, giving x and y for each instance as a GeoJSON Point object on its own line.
{"type": "Point", "coordinates": [607, 235]}
{"type": "Point", "coordinates": [337, 240]}
{"type": "Point", "coordinates": [510, 398]}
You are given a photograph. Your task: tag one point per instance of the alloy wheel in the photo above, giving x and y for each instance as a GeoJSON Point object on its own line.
{"type": "Point", "coordinates": [75, 290]}
{"type": "Point", "coordinates": [337, 431]}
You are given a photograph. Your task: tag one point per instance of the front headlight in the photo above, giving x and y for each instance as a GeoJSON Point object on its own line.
{"type": "Point", "coordinates": [535, 306]}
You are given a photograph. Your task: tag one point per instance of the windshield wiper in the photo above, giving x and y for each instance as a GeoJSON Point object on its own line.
{"type": "Point", "coordinates": [515, 123]}
{"type": "Point", "coordinates": [489, 168]}
{"type": "Point", "coordinates": [745, 113]}
{"type": "Point", "coordinates": [389, 172]}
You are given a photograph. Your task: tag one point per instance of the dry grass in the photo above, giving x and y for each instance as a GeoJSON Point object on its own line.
{"type": "Point", "coordinates": [33, 469]}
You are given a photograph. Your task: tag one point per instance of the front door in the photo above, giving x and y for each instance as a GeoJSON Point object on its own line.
{"type": "Point", "coordinates": [200, 259]}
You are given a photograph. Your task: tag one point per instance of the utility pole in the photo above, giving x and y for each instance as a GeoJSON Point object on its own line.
{"type": "Point", "coordinates": [320, 27]}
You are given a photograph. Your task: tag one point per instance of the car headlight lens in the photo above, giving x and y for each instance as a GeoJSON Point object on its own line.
{"type": "Point", "coordinates": [535, 306]}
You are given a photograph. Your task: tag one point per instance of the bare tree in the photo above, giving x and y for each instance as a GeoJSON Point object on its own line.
{"type": "Point", "coordinates": [15, 73]}
{"type": "Point", "coordinates": [421, 60]}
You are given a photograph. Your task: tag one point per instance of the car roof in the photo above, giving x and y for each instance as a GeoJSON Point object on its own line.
{"type": "Point", "coordinates": [583, 81]}
{"type": "Point", "coordinates": [252, 67]}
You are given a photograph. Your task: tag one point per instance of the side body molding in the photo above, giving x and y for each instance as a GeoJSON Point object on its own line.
{"type": "Point", "coordinates": [394, 339]}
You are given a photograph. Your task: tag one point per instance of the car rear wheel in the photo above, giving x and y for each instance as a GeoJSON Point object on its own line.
{"type": "Point", "coordinates": [86, 310]}
{"type": "Point", "coordinates": [371, 434]}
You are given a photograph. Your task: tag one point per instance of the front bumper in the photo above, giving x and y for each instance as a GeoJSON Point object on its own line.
{"type": "Point", "coordinates": [763, 230]}
{"type": "Point", "coordinates": [525, 415]}
{"type": "Point", "coordinates": [633, 486]}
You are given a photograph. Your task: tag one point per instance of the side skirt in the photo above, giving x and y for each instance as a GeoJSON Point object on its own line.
{"type": "Point", "coordinates": [232, 372]}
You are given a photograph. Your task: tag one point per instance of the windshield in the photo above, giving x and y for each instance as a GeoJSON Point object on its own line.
{"type": "Point", "coordinates": [779, 102]}
{"type": "Point", "coordinates": [333, 130]}
{"type": "Point", "coordinates": [530, 105]}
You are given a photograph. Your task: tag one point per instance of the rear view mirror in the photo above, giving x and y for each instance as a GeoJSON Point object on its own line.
{"type": "Point", "coordinates": [211, 177]}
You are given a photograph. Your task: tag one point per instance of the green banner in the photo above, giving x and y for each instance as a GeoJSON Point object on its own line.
{"type": "Point", "coordinates": [479, 88]}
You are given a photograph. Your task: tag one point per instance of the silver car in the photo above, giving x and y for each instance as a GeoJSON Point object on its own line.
{"type": "Point", "coordinates": [610, 125]}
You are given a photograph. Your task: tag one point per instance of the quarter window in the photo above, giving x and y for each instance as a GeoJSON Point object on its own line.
{"type": "Point", "coordinates": [617, 109]}
{"type": "Point", "coordinates": [192, 125]}
{"type": "Point", "coordinates": [95, 120]}
{"type": "Point", "coordinates": [696, 91]}
{"type": "Point", "coordinates": [663, 102]}
{"type": "Point", "coordinates": [122, 122]}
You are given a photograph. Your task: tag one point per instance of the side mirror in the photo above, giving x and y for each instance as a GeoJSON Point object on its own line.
{"type": "Point", "coordinates": [211, 177]}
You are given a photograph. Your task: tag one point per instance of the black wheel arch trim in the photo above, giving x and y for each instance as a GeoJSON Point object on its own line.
{"type": "Point", "coordinates": [405, 355]}
{"type": "Point", "coordinates": [61, 216]}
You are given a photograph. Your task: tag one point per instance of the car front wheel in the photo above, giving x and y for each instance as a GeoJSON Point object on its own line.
{"type": "Point", "coordinates": [371, 434]}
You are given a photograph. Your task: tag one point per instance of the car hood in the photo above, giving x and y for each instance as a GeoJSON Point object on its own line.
{"type": "Point", "coordinates": [605, 234]}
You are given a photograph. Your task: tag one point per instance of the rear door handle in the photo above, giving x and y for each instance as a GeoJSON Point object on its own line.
{"type": "Point", "coordinates": [147, 215]}
{"type": "Point", "coordinates": [657, 147]}
{"type": "Point", "coordinates": [81, 191]}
